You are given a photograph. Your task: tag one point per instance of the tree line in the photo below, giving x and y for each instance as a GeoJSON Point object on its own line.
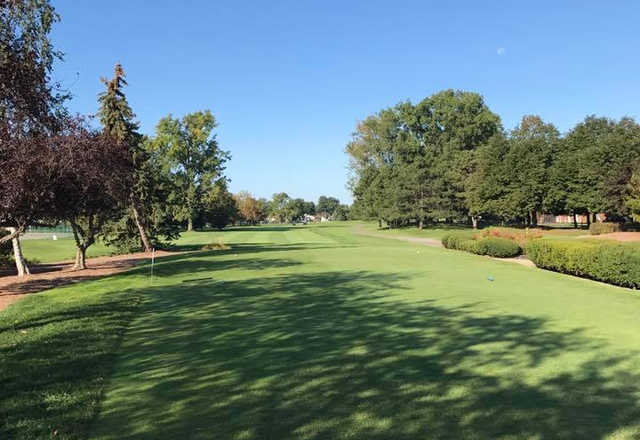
{"type": "Point", "coordinates": [284, 209]}
{"type": "Point", "coordinates": [448, 159]}
{"type": "Point", "coordinates": [110, 183]}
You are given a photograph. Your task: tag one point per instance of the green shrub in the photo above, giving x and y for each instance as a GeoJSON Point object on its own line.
{"type": "Point", "coordinates": [497, 247]}
{"type": "Point", "coordinates": [614, 263]}
{"type": "Point", "coordinates": [492, 246]}
{"type": "Point", "coordinates": [604, 228]}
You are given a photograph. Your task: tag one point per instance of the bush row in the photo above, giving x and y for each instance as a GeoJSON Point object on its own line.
{"type": "Point", "coordinates": [487, 245]}
{"type": "Point", "coordinates": [604, 228]}
{"type": "Point", "coordinates": [614, 263]}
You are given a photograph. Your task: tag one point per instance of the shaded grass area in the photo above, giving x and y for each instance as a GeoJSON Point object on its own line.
{"type": "Point", "coordinates": [316, 333]}
{"type": "Point", "coordinates": [332, 361]}
{"type": "Point", "coordinates": [56, 354]}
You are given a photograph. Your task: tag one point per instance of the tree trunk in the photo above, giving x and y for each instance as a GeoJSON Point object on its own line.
{"type": "Point", "coordinates": [81, 258]}
{"type": "Point", "coordinates": [474, 221]}
{"type": "Point", "coordinates": [190, 225]}
{"type": "Point", "coordinates": [143, 234]}
{"type": "Point", "coordinates": [575, 221]}
{"type": "Point", "coordinates": [21, 265]}
{"type": "Point", "coordinates": [379, 223]}
{"type": "Point", "coordinates": [595, 218]}
{"type": "Point", "coordinates": [421, 224]}
{"type": "Point", "coordinates": [588, 218]}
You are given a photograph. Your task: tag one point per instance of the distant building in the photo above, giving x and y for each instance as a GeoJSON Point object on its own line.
{"type": "Point", "coordinates": [550, 219]}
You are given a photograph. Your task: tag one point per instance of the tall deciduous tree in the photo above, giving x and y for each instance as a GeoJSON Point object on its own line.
{"type": "Point", "coordinates": [31, 106]}
{"type": "Point", "coordinates": [191, 153]}
{"type": "Point", "coordinates": [412, 163]}
{"type": "Point", "coordinates": [534, 146]}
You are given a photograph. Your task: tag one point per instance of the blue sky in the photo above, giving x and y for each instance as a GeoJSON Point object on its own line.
{"type": "Point", "coordinates": [288, 81]}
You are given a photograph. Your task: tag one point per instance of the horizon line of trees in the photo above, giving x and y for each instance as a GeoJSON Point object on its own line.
{"type": "Point", "coordinates": [448, 159]}
{"type": "Point", "coordinates": [284, 209]}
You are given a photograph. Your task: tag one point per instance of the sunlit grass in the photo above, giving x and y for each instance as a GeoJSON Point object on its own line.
{"type": "Point", "coordinates": [315, 332]}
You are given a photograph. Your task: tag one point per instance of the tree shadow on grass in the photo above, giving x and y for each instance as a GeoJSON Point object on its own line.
{"type": "Point", "coordinates": [330, 355]}
{"type": "Point", "coordinates": [53, 366]}
{"type": "Point", "coordinates": [260, 247]}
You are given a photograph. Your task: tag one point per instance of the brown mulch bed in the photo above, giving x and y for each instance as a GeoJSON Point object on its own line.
{"type": "Point", "coordinates": [48, 276]}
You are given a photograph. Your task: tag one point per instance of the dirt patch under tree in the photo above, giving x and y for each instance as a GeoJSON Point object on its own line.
{"type": "Point", "coordinates": [48, 276]}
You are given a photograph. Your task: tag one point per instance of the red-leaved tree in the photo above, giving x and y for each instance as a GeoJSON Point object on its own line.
{"type": "Point", "coordinates": [95, 181]}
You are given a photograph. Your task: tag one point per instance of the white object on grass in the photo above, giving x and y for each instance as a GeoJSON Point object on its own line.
{"type": "Point", "coordinates": [153, 260]}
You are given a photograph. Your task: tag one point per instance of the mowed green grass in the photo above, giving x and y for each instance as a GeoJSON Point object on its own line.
{"type": "Point", "coordinates": [318, 333]}
{"type": "Point", "coordinates": [63, 249]}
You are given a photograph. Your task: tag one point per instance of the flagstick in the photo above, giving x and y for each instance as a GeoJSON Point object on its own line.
{"type": "Point", "coordinates": [153, 259]}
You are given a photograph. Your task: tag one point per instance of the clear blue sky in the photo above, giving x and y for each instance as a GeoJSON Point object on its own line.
{"type": "Point", "coordinates": [288, 81]}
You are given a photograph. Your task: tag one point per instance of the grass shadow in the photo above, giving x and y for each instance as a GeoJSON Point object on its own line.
{"type": "Point", "coordinates": [327, 355]}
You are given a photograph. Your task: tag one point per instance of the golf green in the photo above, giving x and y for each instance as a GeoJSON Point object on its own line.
{"type": "Point", "coordinates": [314, 332]}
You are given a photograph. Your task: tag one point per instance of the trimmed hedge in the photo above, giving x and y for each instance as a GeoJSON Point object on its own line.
{"type": "Point", "coordinates": [492, 246]}
{"type": "Point", "coordinates": [604, 228]}
{"type": "Point", "coordinates": [614, 263]}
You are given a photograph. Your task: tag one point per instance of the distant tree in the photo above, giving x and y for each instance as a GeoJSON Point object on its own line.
{"type": "Point", "coordinates": [487, 188]}
{"type": "Point", "coordinates": [411, 163]}
{"type": "Point", "coordinates": [294, 210]}
{"type": "Point", "coordinates": [534, 145]}
{"type": "Point", "coordinates": [309, 208]}
{"type": "Point", "coordinates": [220, 208]}
{"type": "Point", "coordinates": [191, 153]}
{"type": "Point", "coordinates": [596, 166]}
{"type": "Point", "coordinates": [278, 207]}
{"type": "Point", "coordinates": [341, 213]}
{"type": "Point", "coordinates": [327, 205]}
{"type": "Point", "coordinates": [250, 209]}
{"type": "Point", "coordinates": [633, 200]}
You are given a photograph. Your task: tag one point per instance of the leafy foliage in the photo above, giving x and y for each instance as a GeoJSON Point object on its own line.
{"type": "Point", "coordinates": [250, 209]}
{"type": "Point", "coordinates": [411, 162]}
{"type": "Point", "coordinates": [481, 245]}
{"type": "Point", "coordinates": [218, 206]}
{"type": "Point", "coordinates": [29, 100]}
{"type": "Point", "coordinates": [145, 218]}
{"type": "Point", "coordinates": [633, 201]}
{"type": "Point", "coordinates": [613, 263]}
{"type": "Point", "coordinates": [189, 151]}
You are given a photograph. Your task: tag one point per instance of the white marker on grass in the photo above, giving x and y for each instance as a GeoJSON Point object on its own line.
{"type": "Point", "coordinates": [153, 259]}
